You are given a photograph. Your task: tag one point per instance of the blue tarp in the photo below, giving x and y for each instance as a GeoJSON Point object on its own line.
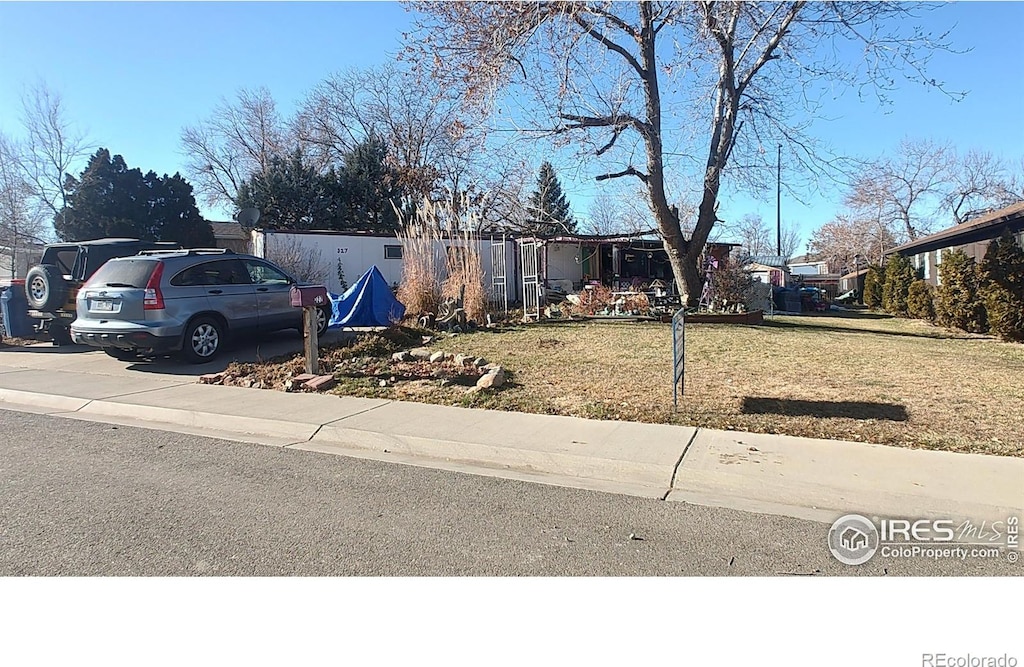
{"type": "Point", "coordinates": [368, 303]}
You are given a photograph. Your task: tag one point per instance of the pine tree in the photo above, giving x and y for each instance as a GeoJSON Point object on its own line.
{"type": "Point", "coordinates": [109, 199]}
{"type": "Point", "coordinates": [548, 212]}
{"type": "Point", "coordinates": [899, 276]}
{"type": "Point", "coordinates": [958, 303]}
{"type": "Point", "coordinates": [1002, 273]}
{"type": "Point", "coordinates": [873, 281]}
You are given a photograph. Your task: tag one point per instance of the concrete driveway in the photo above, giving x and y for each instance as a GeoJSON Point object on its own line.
{"type": "Point", "coordinates": [84, 359]}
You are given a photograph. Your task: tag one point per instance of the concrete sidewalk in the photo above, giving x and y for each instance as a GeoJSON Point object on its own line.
{"type": "Point", "coordinates": [800, 477]}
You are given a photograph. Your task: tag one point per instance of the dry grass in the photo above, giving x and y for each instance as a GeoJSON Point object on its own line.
{"type": "Point", "coordinates": [419, 290]}
{"type": "Point", "coordinates": [853, 377]}
{"type": "Point", "coordinates": [436, 225]}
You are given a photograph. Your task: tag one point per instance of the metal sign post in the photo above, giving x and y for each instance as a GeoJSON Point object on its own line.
{"type": "Point", "coordinates": [678, 356]}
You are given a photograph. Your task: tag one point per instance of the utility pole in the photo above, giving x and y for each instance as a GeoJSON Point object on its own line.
{"type": "Point", "coordinates": [778, 203]}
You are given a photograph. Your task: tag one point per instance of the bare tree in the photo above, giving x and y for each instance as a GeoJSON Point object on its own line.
{"type": "Point", "coordinates": [790, 241]}
{"type": "Point", "coordinates": [904, 189]}
{"type": "Point", "coordinates": [304, 262]}
{"type": "Point", "coordinates": [52, 146]}
{"type": "Point", "coordinates": [979, 181]}
{"type": "Point", "coordinates": [432, 145]}
{"type": "Point", "coordinates": [238, 140]}
{"type": "Point", "coordinates": [598, 70]}
{"type": "Point", "coordinates": [21, 220]}
{"type": "Point", "coordinates": [841, 240]}
{"type": "Point", "coordinates": [757, 239]}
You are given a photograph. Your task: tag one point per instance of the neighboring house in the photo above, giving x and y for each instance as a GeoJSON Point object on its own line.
{"type": "Point", "coordinates": [853, 280]}
{"type": "Point", "coordinates": [811, 271]}
{"type": "Point", "coordinates": [230, 235]}
{"type": "Point", "coordinates": [770, 269]}
{"type": "Point", "coordinates": [15, 262]}
{"type": "Point", "coordinates": [972, 237]}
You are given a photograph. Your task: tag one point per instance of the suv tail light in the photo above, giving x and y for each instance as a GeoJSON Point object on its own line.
{"type": "Point", "coordinates": [154, 298]}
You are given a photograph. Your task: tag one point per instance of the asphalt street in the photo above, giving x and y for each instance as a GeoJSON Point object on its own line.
{"type": "Point", "coordinates": [82, 498]}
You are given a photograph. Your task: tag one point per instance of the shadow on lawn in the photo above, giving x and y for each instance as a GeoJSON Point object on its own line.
{"type": "Point", "coordinates": [822, 325]}
{"type": "Point", "coordinates": [841, 409]}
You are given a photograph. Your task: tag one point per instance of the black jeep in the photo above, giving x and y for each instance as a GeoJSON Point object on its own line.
{"type": "Point", "coordinates": [52, 285]}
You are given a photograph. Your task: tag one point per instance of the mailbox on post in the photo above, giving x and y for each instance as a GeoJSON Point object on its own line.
{"type": "Point", "coordinates": [309, 296]}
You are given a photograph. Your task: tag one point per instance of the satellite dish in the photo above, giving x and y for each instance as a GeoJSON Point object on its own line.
{"type": "Point", "coordinates": [248, 217]}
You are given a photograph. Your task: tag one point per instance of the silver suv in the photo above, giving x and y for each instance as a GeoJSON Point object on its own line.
{"type": "Point", "coordinates": [187, 301]}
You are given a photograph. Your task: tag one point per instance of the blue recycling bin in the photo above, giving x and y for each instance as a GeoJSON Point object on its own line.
{"type": "Point", "coordinates": [14, 309]}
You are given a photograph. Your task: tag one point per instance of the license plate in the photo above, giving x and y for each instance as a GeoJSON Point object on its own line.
{"type": "Point", "coordinates": [103, 305]}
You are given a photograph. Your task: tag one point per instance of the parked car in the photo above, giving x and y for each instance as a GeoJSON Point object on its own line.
{"type": "Point", "coordinates": [51, 287]}
{"type": "Point", "coordinates": [187, 301]}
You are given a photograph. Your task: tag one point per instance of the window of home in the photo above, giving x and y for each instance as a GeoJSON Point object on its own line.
{"type": "Point", "coordinates": [392, 252]}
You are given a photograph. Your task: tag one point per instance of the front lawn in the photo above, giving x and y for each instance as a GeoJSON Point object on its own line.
{"type": "Point", "coordinates": [847, 376]}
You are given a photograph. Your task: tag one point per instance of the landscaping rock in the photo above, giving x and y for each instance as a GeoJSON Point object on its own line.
{"type": "Point", "coordinates": [383, 383]}
{"type": "Point", "coordinates": [420, 353]}
{"type": "Point", "coordinates": [302, 378]}
{"type": "Point", "coordinates": [405, 355]}
{"type": "Point", "coordinates": [474, 390]}
{"type": "Point", "coordinates": [448, 356]}
{"type": "Point", "coordinates": [492, 380]}
{"type": "Point", "coordinates": [212, 378]}
{"type": "Point", "coordinates": [320, 383]}
{"type": "Point", "coordinates": [480, 362]}
{"type": "Point", "coordinates": [436, 357]}
{"type": "Point", "coordinates": [461, 359]}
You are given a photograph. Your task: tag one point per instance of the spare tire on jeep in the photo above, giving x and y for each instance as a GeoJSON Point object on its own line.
{"type": "Point", "coordinates": [45, 288]}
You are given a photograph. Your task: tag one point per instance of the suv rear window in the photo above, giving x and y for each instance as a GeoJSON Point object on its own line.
{"type": "Point", "coordinates": [123, 273]}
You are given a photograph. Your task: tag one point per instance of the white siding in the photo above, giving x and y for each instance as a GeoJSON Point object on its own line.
{"type": "Point", "coordinates": [358, 253]}
{"type": "Point", "coordinates": [565, 263]}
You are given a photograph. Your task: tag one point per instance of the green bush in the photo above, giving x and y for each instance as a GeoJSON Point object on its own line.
{"type": "Point", "coordinates": [958, 301]}
{"type": "Point", "coordinates": [919, 301]}
{"type": "Point", "coordinates": [899, 276]}
{"type": "Point", "coordinates": [873, 287]}
{"type": "Point", "coordinates": [1002, 273]}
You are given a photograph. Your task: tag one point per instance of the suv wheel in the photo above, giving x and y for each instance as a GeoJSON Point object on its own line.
{"type": "Point", "coordinates": [45, 288]}
{"type": "Point", "coordinates": [203, 339]}
{"type": "Point", "coordinates": [323, 318]}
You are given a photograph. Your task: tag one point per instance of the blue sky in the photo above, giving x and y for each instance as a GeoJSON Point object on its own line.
{"type": "Point", "coordinates": [133, 74]}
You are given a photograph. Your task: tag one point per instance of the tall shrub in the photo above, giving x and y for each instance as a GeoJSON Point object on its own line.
{"type": "Point", "coordinates": [419, 290]}
{"type": "Point", "coordinates": [428, 277]}
{"type": "Point", "coordinates": [1002, 273]}
{"type": "Point", "coordinates": [873, 287]}
{"type": "Point", "coordinates": [899, 276]}
{"type": "Point", "coordinates": [920, 301]}
{"type": "Point", "coordinates": [958, 301]}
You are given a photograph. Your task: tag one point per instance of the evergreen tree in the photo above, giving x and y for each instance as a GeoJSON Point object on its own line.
{"type": "Point", "coordinates": [547, 213]}
{"type": "Point", "coordinates": [899, 276]}
{"type": "Point", "coordinates": [174, 215]}
{"type": "Point", "coordinates": [873, 281]}
{"type": "Point", "coordinates": [958, 302]}
{"type": "Point", "coordinates": [1002, 273]}
{"type": "Point", "coordinates": [109, 199]}
{"type": "Point", "coordinates": [290, 194]}
{"type": "Point", "coordinates": [372, 186]}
